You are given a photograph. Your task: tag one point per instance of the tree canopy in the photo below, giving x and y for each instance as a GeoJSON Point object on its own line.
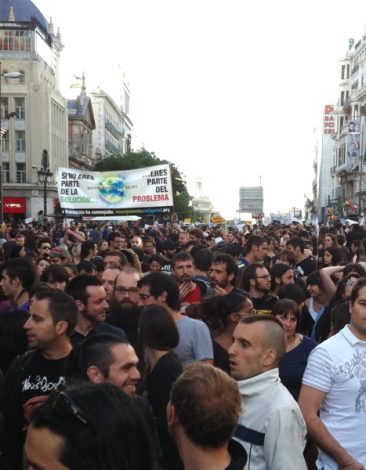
{"type": "Point", "coordinates": [142, 158]}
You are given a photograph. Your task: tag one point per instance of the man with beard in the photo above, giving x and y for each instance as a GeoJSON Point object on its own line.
{"type": "Point", "coordinates": [257, 281]}
{"type": "Point", "coordinates": [223, 274]}
{"type": "Point", "coordinates": [91, 300]}
{"type": "Point", "coordinates": [190, 292]}
{"type": "Point", "coordinates": [124, 308]}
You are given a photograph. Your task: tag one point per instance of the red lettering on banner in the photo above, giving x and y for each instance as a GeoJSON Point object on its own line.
{"type": "Point", "coordinates": [151, 198]}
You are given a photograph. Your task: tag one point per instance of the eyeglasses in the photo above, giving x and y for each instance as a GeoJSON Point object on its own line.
{"type": "Point", "coordinates": [122, 290]}
{"type": "Point", "coordinates": [65, 404]}
{"type": "Point", "coordinates": [45, 247]}
{"type": "Point", "coordinates": [145, 296]}
{"type": "Point", "coordinates": [265, 276]}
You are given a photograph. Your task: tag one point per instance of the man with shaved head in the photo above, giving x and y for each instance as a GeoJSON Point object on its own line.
{"type": "Point", "coordinates": [271, 427]}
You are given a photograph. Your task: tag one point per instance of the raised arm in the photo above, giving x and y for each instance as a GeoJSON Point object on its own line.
{"type": "Point", "coordinates": [325, 276]}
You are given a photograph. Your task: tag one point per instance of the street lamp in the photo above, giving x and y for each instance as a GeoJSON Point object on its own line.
{"type": "Point", "coordinates": [43, 176]}
{"type": "Point", "coordinates": [5, 75]}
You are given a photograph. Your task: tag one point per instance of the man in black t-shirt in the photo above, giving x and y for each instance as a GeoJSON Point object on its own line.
{"type": "Point", "coordinates": [257, 281]}
{"type": "Point", "coordinates": [34, 375]}
{"type": "Point", "coordinates": [91, 300]}
{"type": "Point", "coordinates": [303, 266]}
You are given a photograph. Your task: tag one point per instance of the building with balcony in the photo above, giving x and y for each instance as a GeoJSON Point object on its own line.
{"type": "Point", "coordinates": [28, 44]}
{"type": "Point", "coordinates": [113, 123]}
{"type": "Point", "coordinates": [348, 167]}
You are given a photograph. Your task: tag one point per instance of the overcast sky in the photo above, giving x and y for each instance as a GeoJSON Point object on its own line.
{"type": "Point", "coordinates": [228, 90]}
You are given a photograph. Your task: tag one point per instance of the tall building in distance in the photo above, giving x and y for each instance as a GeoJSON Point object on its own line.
{"type": "Point", "coordinates": [251, 201]}
{"type": "Point", "coordinates": [201, 203]}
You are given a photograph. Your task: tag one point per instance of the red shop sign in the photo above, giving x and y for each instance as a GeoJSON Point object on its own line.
{"type": "Point", "coordinates": [15, 205]}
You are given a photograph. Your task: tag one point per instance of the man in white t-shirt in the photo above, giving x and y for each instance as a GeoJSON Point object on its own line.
{"type": "Point", "coordinates": [334, 383]}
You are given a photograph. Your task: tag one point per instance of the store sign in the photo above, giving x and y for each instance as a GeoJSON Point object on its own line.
{"type": "Point", "coordinates": [15, 205]}
{"type": "Point", "coordinates": [329, 120]}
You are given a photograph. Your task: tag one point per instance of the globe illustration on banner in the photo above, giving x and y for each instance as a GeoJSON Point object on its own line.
{"type": "Point", "coordinates": [112, 189]}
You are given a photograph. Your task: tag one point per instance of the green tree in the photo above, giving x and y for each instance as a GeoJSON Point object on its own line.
{"type": "Point", "coordinates": [142, 158]}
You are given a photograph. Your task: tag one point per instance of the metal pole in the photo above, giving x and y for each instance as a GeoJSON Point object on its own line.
{"type": "Point", "coordinates": [45, 174]}
{"type": "Point", "coordinates": [1, 159]}
{"type": "Point", "coordinates": [45, 198]}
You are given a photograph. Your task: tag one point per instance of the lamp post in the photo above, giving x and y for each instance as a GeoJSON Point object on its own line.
{"type": "Point", "coordinates": [43, 174]}
{"type": "Point", "coordinates": [6, 75]}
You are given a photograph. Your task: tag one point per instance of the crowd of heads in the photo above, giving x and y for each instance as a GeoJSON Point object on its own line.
{"type": "Point", "coordinates": [59, 281]}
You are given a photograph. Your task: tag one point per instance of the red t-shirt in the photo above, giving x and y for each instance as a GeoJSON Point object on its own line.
{"type": "Point", "coordinates": [193, 297]}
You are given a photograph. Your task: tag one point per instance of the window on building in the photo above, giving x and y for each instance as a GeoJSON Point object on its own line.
{"type": "Point", "coordinates": [20, 173]}
{"type": "Point", "coordinates": [20, 141]}
{"type": "Point", "coordinates": [4, 107]}
{"type": "Point", "coordinates": [343, 72]}
{"type": "Point", "coordinates": [20, 108]}
{"type": "Point", "coordinates": [341, 122]}
{"type": "Point", "coordinates": [5, 142]}
{"type": "Point", "coordinates": [342, 98]}
{"type": "Point", "coordinates": [348, 70]}
{"type": "Point", "coordinates": [6, 172]}
{"type": "Point", "coordinates": [12, 40]}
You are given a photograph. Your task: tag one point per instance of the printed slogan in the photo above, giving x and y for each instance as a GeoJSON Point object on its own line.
{"type": "Point", "coordinates": [141, 191]}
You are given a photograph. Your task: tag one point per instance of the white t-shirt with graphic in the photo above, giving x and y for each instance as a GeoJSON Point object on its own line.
{"type": "Point", "coordinates": [338, 367]}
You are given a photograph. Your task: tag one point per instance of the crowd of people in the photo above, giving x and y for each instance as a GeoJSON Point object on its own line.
{"type": "Point", "coordinates": [168, 347]}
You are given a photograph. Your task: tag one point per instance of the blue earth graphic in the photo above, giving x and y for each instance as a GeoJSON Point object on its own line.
{"type": "Point", "coordinates": [112, 189]}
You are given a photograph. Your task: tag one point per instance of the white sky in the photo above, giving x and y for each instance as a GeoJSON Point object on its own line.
{"type": "Point", "coordinates": [230, 90]}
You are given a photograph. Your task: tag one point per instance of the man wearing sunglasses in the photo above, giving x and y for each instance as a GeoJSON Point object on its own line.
{"type": "Point", "coordinates": [35, 374]}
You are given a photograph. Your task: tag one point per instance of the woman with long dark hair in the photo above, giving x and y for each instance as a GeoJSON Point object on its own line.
{"type": "Point", "coordinates": [158, 336]}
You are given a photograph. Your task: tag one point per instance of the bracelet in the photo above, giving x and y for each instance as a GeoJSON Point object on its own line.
{"type": "Point", "coordinates": [347, 463]}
